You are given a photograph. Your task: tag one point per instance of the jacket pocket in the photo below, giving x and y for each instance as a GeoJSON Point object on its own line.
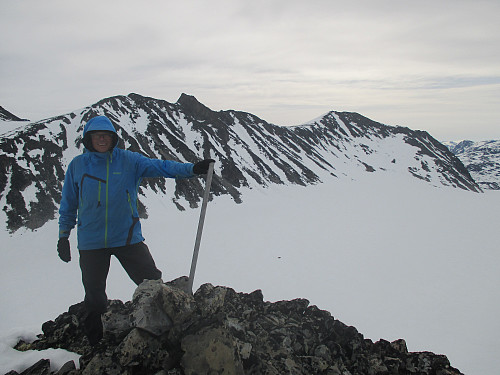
{"type": "Point", "coordinates": [135, 219]}
{"type": "Point", "coordinates": [88, 188]}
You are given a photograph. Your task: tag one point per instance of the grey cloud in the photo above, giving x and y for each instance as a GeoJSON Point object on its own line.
{"type": "Point", "coordinates": [288, 59]}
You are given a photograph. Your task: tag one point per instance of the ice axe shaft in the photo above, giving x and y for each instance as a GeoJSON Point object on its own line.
{"type": "Point", "coordinates": [200, 226]}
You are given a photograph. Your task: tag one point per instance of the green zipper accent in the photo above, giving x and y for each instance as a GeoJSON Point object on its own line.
{"type": "Point", "coordinates": [107, 189]}
{"type": "Point", "coordinates": [137, 190]}
{"type": "Point", "coordinates": [130, 203]}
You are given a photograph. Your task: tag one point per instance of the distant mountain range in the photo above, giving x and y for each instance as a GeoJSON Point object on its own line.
{"type": "Point", "coordinates": [249, 151]}
{"type": "Point", "coordinates": [482, 160]}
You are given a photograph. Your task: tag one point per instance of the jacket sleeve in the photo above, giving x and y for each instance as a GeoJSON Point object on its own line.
{"type": "Point", "coordinates": [162, 168]}
{"type": "Point", "coordinates": [69, 203]}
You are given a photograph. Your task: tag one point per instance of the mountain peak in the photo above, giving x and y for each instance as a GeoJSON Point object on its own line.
{"type": "Point", "coordinates": [190, 103]}
{"type": "Point", "coordinates": [7, 116]}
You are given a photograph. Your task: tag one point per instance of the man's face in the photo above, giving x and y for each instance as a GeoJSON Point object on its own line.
{"type": "Point", "coordinates": [101, 141]}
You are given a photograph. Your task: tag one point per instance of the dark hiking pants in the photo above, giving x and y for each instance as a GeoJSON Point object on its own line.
{"type": "Point", "coordinates": [94, 264]}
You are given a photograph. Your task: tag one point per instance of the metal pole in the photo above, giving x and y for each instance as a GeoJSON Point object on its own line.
{"type": "Point", "coordinates": [200, 226]}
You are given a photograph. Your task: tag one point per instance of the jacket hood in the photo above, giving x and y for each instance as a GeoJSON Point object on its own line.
{"type": "Point", "coordinates": [98, 123]}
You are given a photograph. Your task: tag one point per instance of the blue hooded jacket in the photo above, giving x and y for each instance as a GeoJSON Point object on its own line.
{"type": "Point", "coordinates": [100, 190]}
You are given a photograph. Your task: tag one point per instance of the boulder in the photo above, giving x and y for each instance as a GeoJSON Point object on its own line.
{"type": "Point", "coordinates": [156, 307]}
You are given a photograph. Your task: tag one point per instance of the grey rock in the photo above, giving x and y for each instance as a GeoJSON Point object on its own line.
{"type": "Point", "coordinates": [158, 307]}
{"type": "Point", "coordinates": [101, 363]}
{"type": "Point", "coordinates": [148, 313]}
{"type": "Point", "coordinates": [67, 368]}
{"type": "Point", "coordinates": [42, 367]}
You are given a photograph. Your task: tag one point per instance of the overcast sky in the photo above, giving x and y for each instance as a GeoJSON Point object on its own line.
{"type": "Point", "coordinates": [429, 65]}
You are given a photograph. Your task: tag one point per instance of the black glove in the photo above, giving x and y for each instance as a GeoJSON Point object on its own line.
{"type": "Point", "coordinates": [63, 249]}
{"type": "Point", "coordinates": [202, 166]}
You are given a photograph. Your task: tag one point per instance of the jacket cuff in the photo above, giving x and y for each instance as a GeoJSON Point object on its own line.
{"type": "Point", "coordinates": [64, 233]}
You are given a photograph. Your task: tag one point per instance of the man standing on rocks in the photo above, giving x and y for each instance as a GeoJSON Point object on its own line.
{"type": "Point", "coordinates": [100, 190]}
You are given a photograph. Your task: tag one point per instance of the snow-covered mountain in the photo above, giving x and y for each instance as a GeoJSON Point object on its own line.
{"type": "Point", "coordinates": [379, 248]}
{"type": "Point", "coordinates": [482, 160]}
{"type": "Point", "coordinates": [249, 151]}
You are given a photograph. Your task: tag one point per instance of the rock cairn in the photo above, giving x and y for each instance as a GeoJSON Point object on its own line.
{"type": "Point", "coordinates": [166, 331]}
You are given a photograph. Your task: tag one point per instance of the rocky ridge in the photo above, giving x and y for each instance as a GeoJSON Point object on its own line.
{"type": "Point", "coordinates": [165, 330]}
{"type": "Point", "coordinates": [250, 153]}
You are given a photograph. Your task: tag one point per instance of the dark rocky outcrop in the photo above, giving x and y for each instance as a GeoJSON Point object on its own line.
{"type": "Point", "coordinates": [8, 116]}
{"type": "Point", "coordinates": [165, 330]}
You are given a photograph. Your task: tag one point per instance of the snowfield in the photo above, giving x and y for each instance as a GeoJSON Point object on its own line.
{"type": "Point", "coordinates": [392, 257]}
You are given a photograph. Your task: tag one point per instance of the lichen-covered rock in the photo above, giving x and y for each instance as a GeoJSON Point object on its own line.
{"type": "Point", "coordinates": [211, 351]}
{"type": "Point", "coordinates": [117, 320]}
{"type": "Point", "coordinates": [141, 349]}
